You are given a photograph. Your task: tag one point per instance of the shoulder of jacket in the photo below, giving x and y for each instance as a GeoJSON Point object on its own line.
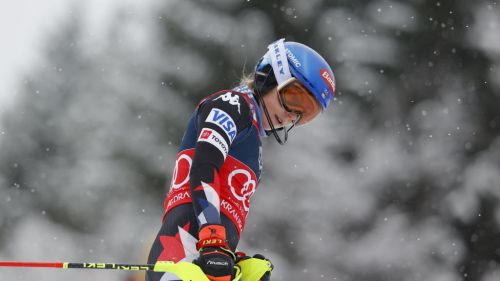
{"type": "Point", "coordinates": [240, 100]}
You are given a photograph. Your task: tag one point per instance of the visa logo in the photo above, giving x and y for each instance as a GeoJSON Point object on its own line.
{"type": "Point", "coordinates": [224, 121]}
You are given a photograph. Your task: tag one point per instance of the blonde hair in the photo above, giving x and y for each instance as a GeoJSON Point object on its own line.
{"type": "Point", "coordinates": [248, 80]}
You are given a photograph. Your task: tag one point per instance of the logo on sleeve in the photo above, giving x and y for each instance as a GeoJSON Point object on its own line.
{"type": "Point", "coordinates": [215, 139]}
{"type": "Point", "coordinates": [205, 134]}
{"type": "Point", "coordinates": [224, 121]}
{"type": "Point", "coordinates": [233, 100]}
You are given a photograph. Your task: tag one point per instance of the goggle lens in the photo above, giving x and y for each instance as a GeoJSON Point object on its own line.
{"type": "Point", "coordinates": [297, 98]}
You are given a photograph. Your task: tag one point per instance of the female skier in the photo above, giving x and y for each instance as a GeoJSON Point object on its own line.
{"type": "Point", "coordinates": [219, 164]}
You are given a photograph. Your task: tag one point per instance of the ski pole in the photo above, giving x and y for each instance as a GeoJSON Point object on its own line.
{"type": "Point", "coordinates": [185, 270]}
{"type": "Point", "coordinates": [66, 265]}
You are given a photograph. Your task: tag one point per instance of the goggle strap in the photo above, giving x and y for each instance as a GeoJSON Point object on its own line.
{"type": "Point", "coordinates": [279, 61]}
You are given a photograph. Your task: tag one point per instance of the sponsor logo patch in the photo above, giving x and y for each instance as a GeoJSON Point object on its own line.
{"type": "Point", "coordinates": [224, 121]}
{"type": "Point", "coordinates": [233, 100]}
{"type": "Point", "coordinates": [215, 139]}
{"type": "Point", "coordinates": [279, 59]}
{"type": "Point", "coordinates": [205, 134]}
{"type": "Point", "coordinates": [328, 78]}
{"type": "Point", "coordinates": [293, 58]}
{"type": "Point", "coordinates": [180, 175]}
{"type": "Point", "coordinates": [246, 186]}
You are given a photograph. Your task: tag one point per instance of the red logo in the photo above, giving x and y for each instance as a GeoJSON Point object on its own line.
{"type": "Point", "coordinates": [243, 185]}
{"type": "Point", "coordinates": [205, 134]}
{"type": "Point", "coordinates": [328, 79]}
{"type": "Point", "coordinates": [181, 171]}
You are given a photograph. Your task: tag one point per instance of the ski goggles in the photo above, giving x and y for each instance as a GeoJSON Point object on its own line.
{"type": "Point", "coordinates": [296, 98]}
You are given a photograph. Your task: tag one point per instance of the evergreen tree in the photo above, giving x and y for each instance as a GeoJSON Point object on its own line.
{"type": "Point", "coordinates": [398, 180]}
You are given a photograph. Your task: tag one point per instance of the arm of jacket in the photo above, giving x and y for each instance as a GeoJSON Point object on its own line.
{"type": "Point", "coordinates": [220, 118]}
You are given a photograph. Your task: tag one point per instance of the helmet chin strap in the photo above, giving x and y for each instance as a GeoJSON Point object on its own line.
{"type": "Point", "coordinates": [281, 70]}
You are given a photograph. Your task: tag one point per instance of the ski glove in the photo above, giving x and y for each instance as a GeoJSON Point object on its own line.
{"type": "Point", "coordinates": [216, 259]}
{"type": "Point", "coordinates": [256, 268]}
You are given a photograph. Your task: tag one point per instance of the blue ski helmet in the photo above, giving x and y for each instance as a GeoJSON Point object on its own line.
{"type": "Point", "coordinates": [301, 62]}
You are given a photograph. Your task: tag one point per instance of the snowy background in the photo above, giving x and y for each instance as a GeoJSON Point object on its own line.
{"type": "Point", "coordinates": [398, 180]}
